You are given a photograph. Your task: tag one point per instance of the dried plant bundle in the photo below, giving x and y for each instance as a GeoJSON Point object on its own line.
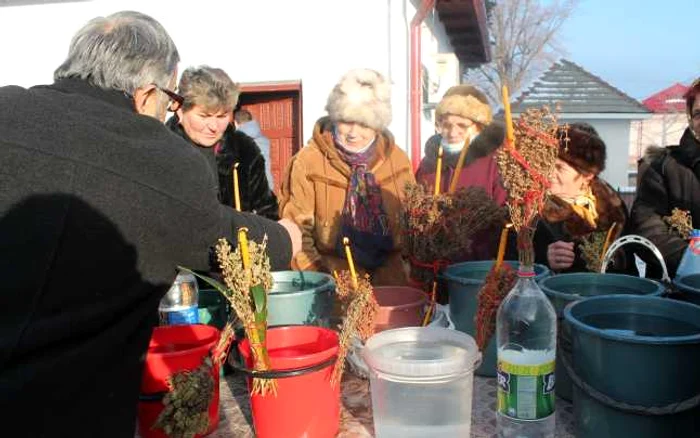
{"type": "Point", "coordinates": [525, 166]}
{"type": "Point", "coordinates": [499, 281]}
{"type": "Point", "coordinates": [680, 222]}
{"type": "Point", "coordinates": [360, 309]}
{"type": "Point", "coordinates": [441, 227]}
{"type": "Point", "coordinates": [186, 405]}
{"type": "Point", "coordinates": [591, 247]}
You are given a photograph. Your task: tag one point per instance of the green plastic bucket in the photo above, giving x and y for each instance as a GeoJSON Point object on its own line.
{"type": "Point", "coordinates": [464, 280]}
{"type": "Point", "coordinates": [213, 308]}
{"type": "Point", "coordinates": [632, 353]}
{"type": "Point", "coordinates": [689, 287]}
{"type": "Point", "coordinates": [565, 288]}
{"type": "Point", "coordinates": [301, 298]}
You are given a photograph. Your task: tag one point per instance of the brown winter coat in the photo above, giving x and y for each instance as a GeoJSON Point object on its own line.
{"type": "Point", "coordinates": [313, 193]}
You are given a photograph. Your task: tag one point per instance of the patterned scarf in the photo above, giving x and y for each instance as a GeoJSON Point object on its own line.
{"type": "Point", "coordinates": [363, 218]}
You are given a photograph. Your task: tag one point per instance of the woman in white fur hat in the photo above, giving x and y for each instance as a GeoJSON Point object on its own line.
{"type": "Point", "coordinates": [349, 181]}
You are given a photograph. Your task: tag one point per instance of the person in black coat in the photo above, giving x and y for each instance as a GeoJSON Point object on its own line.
{"type": "Point", "coordinates": [581, 207]}
{"type": "Point", "coordinates": [205, 120]}
{"type": "Point", "coordinates": [669, 178]}
{"type": "Point", "coordinates": [99, 202]}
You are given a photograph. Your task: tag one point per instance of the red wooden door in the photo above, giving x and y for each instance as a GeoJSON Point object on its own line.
{"type": "Point", "coordinates": [279, 116]}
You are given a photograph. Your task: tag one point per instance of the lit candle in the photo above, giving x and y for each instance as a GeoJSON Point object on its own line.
{"type": "Point", "coordinates": [502, 246]}
{"type": "Point", "coordinates": [438, 171]}
{"type": "Point", "coordinates": [351, 263]}
{"type": "Point", "coordinates": [607, 243]}
{"type": "Point", "coordinates": [510, 135]}
{"type": "Point", "coordinates": [243, 245]}
{"type": "Point", "coordinates": [236, 188]}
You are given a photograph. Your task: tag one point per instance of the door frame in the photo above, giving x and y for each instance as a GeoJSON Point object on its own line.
{"type": "Point", "coordinates": [281, 87]}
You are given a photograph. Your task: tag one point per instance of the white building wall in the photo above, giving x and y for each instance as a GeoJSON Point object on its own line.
{"type": "Point", "coordinates": [660, 130]}
{"type": "Point", "coordinates": [262, 40]}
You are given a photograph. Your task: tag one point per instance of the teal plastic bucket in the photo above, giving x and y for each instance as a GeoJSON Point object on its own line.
{"type": "Point", "coordinates": [629, 354]}
{"type": "Point", "coordinates": [213, 308]}
{"type": "Point", "coordinates": [464, 280]}
{"type": "Point", "coordinates": [301, 298]}
{"type": "Point", "coordinates": [565, 288]}
{"type": "Point", "coordinates": [689, 288]}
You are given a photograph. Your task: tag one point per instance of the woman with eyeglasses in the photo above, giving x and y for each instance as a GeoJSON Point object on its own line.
{"type": "Point", "coordinates": [203, 116]}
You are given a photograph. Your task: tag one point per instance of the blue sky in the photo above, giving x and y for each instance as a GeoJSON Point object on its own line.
{"type": "Point", "coordinates": [640, 47]}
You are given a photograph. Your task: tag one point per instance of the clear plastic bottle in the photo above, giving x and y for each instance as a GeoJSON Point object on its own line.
{"type": "Point", "coordinates": [180, 304]}
{"type": "Point", "coordinates": [690, 262]}
{"type": "Point", "coordinates": [526, 334]}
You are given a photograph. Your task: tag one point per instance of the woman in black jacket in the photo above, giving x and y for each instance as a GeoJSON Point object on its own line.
{"type": "Point", "coordinates": [204, 119]}
{"type": "Point", "coordinates": [582, 208]}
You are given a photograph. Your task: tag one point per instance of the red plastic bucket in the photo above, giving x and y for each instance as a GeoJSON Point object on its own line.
{"type": "Point", "coordinates": [172, 349]}
{"type": "Point", "coordinates": [399, 306]}
{"type": "Point", "coordinates": [306, 405]}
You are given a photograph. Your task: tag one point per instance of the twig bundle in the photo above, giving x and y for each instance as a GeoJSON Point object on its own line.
{"type": "Point", "coordinates": [360, 309]}
{"type": "Point", "coordinates": [499, 281]}
{"type": "Point", "coordinates": [680, 222]}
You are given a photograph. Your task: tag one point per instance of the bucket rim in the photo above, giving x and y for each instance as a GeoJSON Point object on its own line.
{"type": "Point", "coordinates": [450, 276]}
{"type": "Point", "coordinates": [205, 346]}
{"type": "Point", "coordinates": [410, 305]}
{"type": "Point", "coordinates": [678, 281]}
{"type": "Point", "coordinates": [316, 358]}
{"type": "Point", "coordinates": [417, 369]}
{"type": "Point", "coordinates": [328, 285]}
{"type": "Point", "coordinates": [630, 339]}
{"type": "Point", "coordinates": [542, 282]}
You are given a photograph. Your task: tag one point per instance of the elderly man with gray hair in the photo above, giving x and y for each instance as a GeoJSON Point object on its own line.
{"type": "Point", "coordinates": [99, 202]}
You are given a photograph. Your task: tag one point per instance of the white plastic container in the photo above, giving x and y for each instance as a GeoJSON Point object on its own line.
{"type": "Point", "coordinates": [421, 381]}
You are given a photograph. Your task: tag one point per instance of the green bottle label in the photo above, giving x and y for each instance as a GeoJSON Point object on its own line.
{"type": "Point", "coordinates": [526, 392]}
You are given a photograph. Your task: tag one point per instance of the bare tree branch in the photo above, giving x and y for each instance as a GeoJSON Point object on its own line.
{"type": "Point", "coordinates": [523, 34]}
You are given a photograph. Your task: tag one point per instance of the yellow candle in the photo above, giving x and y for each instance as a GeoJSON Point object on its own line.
{"type": "Point", "coordinates": [607, 243]}
{"type": "Point", "coordinates": [438, 171]}
{"type": "Point", "coordinates": [510, 135]}
{"type": "Point", "coordinates": [351, 263]}
{"type": "Point", "coordinates": [243, 244]}
{"type": "Point", "coordinates": [502, 246]}
{"type": "Point", "coordinates": [236, 188]}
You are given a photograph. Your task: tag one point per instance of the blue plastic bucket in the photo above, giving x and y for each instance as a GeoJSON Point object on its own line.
{"type": "Point", "coordinates": [464, 280]}
{"type": "Point", "coordinates": [565, 288]}
{"type": "Point", "coordinates": [689, 287]}
{"type": "Point", "coordinates": [635, 366]}
{"type": "Point", "coordinates": [301, 298]}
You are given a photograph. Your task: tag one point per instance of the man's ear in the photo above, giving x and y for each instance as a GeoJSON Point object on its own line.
{"type": "Point", "coordinates": [145, 100]}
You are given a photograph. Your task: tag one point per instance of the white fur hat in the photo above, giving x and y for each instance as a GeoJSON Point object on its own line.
{"type": "Point", "coordinates": [362, 96]}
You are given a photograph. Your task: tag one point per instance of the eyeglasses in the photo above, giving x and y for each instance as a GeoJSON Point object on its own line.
{"type": "Point", "coordinates": [176, 99]}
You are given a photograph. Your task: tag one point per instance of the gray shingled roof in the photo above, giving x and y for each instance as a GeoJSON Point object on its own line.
{"type": "Point", "coordinates": [576, 91]}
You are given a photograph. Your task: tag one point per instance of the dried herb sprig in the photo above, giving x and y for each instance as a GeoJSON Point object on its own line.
{"type": "Point", "coordinates": [360, 309]}
{"type": "Point", "coordinates": [680, 222]}
{"type": "Point", "coordinates": [525, 163]}
{"type": "Point", "coordinates": [186, 405]}
{"type": "Point", "coordinates": [591, 247]}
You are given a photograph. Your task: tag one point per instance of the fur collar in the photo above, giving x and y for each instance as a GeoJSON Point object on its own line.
{"type": "Point", "coordinates": [687, 153]}
{"type": "Point", "coordinates": [611, 209]}
{"type": "Point", "coordinates": [488, 141]}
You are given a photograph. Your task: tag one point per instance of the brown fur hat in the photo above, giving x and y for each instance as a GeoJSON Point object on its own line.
{"type": "Point", "coordinates": [362, 96]}
{"type": "Point", "coordinates": [581, 147]}
{"type": "Point", "coordinates": [465, 101]}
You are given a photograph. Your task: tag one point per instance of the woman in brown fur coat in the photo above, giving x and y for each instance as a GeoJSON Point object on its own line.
{"type": "Point", "coordinates": [583, 207]}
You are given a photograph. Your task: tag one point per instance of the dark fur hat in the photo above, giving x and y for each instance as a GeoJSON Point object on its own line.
{"type": "Point", "coordinates": [581, 147]}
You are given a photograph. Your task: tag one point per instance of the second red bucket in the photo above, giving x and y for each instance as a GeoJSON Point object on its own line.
{"type": "Point", "coordinates": [399, 306]}
{"type": "Point", "coordinates": [173, 349]}
{"type": "Point", "coordinates": [306, 405]}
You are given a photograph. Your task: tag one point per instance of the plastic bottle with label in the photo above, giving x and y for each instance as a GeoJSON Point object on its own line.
{"type": "Point", "coordinates": [526, 334]}
{"type": "Point", "coordinates": [690, 262]}
{"type": "Point", "coordinates": [180, 305]}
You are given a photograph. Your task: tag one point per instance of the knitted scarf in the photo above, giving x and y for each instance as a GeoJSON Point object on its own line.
{"type": "Point", "coordinates": [363, 219]}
